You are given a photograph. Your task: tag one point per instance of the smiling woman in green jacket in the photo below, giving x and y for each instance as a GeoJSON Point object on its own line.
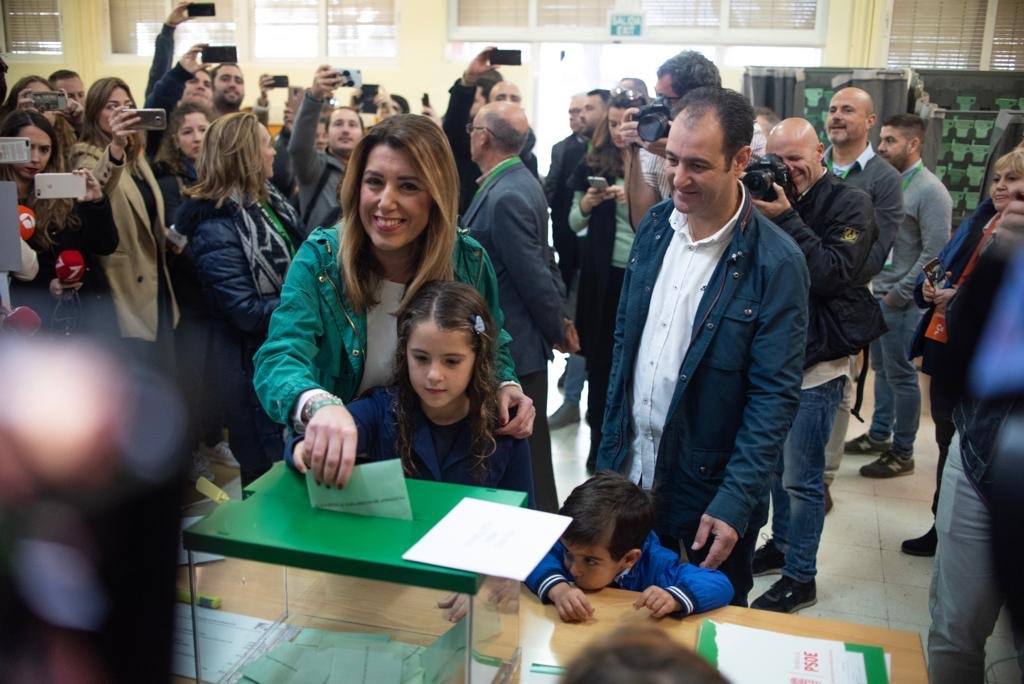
{"type": "Point", "coordinates": [333, 336]}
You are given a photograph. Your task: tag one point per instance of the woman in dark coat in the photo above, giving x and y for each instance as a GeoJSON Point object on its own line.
{"type": "Point", "coordinates": [242, 236]}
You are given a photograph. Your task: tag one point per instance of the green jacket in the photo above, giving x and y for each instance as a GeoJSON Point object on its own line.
{"type": "Point", "coordinates": [317, 340]}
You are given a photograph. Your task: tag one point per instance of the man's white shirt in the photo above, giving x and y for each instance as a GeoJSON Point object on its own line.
{"type": "Point", "coordinates": [685, 273]}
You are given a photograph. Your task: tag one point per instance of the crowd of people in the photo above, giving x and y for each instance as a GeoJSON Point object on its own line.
{"type": "Point", "coordinates": [386, 285]}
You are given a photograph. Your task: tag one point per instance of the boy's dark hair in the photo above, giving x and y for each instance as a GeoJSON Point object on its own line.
{"type": "Point", "coordinates": [639, 655]}
{"type": "Point", "coordinates": [61, 74]}
{"type": "Point", "coordinates": [451, 306]}
{"type": "Point", "coordinates": [609, 506]}
{"type": "Point", "coordinates": [602, 93]}
{"type": "Point", "coordinates": [689, 70]}
{"type": "Point", "coordinates": [912, 124]}
{"type": "Point", "coordinates": [734, 113]}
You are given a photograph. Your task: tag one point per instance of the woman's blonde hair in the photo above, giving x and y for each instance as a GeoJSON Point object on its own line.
{"type": "Point", "coordinates": [1012, 161]}
{"type": "Point", "coordinates": [431, 158]}
{"type": "Point", "coordinates": [95, 101]}
{"type": "Point", "coordinates": [230, 160]}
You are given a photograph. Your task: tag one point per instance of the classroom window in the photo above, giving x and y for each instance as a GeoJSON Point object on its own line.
{"type": "Point", "coordinates": [773, 14]}
{"type": "Point", "coordinates": [335, 28]}
{"type": "Point", "coordinates": [135, 24]}
{"type": "Point", "coordinates": [32, 27]}
{"type": "Point", "coordinates": [951, 34]}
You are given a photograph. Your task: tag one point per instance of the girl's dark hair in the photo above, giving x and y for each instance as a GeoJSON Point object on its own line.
{"type": "Point", "coordinates": [169, 155]}
{"type": "Point", "coordinates": [609, 509]}
{"type": "Point", "coordinates": [52, 215]}
{"type": "Point", "coordinates": [451, 306]}
{"type": "Point", "coordinates": [604, 158]}
{"type": "Point", "coordinates": [95, 100]}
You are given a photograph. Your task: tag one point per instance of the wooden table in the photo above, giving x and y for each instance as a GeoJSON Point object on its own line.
{"type": "Point", "coordinates": [363, 605]}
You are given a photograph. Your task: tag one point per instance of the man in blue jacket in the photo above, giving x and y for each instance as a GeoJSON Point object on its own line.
{"type": "Point", "coordinates": [709, 345]}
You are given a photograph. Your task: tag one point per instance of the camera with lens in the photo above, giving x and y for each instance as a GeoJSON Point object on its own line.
{"type": "Point", "coordinates": [653, 120]}
{"type": "Point", "coordinates": [763, 173]}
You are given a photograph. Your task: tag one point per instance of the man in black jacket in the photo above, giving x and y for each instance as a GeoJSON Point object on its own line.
{"type": "Point", "coordinates": [833, 225]}
{"type": "Point", "coordinates": [565, 155]}
{"type": "Point", "coordinates": [468, 94]}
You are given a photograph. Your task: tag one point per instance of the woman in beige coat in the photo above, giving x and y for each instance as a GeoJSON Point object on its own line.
{"type": "Point", "coordinates": [137, 270]}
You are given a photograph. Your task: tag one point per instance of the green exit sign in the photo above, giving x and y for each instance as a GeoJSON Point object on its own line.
{"type": "Point", "coordinates": [627, 25]}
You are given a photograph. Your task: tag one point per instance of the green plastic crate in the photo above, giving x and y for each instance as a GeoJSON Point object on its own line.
{"type": "Point", "coordinates": [982, 128]}
{"type": "Point", "coordinates": [959, 150]}
{"type": "Point", "coordinates": [965, 101]}
{"type": "Point", "coordinates": [956, 196]}
{"type": "Point", "coordinates": [971, 200]}
{"type": "Point", "coordinates": [812, 96]}
{"type": "Point", "coordinates": [955, 176]}
{"type": "Point", "coordinates": [964, 128]}
{"type": "Point", "coordinates": [940, 171]}
{"type": "Point", "coordinates": [1006, 102]}
{"type": "Point", "coordinates": [975, 174]}
{"type": "Point", "coordinates": [979, 152]}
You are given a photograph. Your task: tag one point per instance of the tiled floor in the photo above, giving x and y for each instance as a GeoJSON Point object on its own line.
{"type": "Point", "coordinates": [862, 575]}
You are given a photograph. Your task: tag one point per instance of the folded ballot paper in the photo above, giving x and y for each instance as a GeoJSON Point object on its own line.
{"type": "Point", "coordinates": [375, 489]}
{"type": "Point", "coordinates": [755, 656]}
{"type": "Point", "coordinates": [490, 539]}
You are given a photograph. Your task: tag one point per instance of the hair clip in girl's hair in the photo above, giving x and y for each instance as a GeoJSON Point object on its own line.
{"type": "Point", "coordinates": [478, 324]}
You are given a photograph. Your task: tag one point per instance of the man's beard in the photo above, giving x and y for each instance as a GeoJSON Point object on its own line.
{"type": "Point", "coordinates": [223, 105]}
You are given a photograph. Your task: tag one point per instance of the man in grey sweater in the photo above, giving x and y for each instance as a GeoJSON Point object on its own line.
{"type": "Point", "coordinates": [851, 157]}
{"type": "Point", "coordinates": [320, 173]}
{"type": "Point", "coordinates": [928, 211]}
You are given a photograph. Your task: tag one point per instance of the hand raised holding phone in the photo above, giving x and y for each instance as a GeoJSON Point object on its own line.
{"type": "Point", "coordinates": [325, 82]}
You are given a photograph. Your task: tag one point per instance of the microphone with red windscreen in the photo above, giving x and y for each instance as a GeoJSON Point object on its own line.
{"type": "Point", "coordinates": [70, 266]}
{"type": "Point", "coordinates": [20, 319]}
{"type": "Point", "coordinates": [26, 221]}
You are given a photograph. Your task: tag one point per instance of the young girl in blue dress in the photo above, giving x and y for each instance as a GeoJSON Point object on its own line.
{"type": "Point", "coordinates": [441, 412]}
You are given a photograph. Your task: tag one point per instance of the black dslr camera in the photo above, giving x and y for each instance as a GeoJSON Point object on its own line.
{"type": "Point", "coordinates": [653, 120]}
{"type": "Point", "coordinates": [763, 173]}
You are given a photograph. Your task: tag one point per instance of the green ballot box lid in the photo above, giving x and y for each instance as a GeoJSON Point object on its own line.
{"type": "Point", "coordinates": [276, 524]}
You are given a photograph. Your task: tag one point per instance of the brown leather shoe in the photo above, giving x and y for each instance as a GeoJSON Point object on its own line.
{"type": "Point", "coordinates": [828, 500]}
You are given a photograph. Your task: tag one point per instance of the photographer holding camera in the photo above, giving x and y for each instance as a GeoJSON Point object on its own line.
{"type": "Point", "coordinates": [833, 225]}
{"type": "Point", "coordinates": [645, 130]}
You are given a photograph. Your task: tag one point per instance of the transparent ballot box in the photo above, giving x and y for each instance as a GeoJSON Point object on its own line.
{"type": "Point", "coordinates": [309, 595]}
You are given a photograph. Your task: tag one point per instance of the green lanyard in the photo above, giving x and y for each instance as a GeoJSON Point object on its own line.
{"type": "Point", "coordinates": [275, 221]}
{"type": "Point", "coordinates": [495, 172]}
{"type": "Point", "coordinates": [913, 172]}
{"type": "Point", "coordinates": [841, 174]}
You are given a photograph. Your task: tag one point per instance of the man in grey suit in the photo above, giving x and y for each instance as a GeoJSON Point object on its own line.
{"type": "Point", "coordinates": [509, 217]}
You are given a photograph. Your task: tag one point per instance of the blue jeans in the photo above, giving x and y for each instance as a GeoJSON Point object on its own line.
{"type": "Point", "coordinates": [897, 394]}
{"type": "Point", "coordinates": [798, 488]}
{"type": "Point", "coordinates": [575, 376]}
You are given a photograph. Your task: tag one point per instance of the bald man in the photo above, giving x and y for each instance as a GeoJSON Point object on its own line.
{"type": "Point", "coordinates": [833, 225]}
{"type": "Point", "coordinates": [851, 157]}
{"type": "Point", "coordinates": [509, 216]}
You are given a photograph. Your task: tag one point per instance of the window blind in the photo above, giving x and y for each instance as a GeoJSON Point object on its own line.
{"type": "Point", "coordinates": [937, 34]}
{"type": "Point", "coordinates": [1008, 38]}
{"type": "Point", "coordinates": [286, 28]}
{"type": "Point", "coordinates": [513, 13]}
{"type": "Point", "coordinates": [32, 27]}
{"type": "Point", "coordinates": [218, 30]}
{"type": "Point", "coordinates": [134, 25]}
{"type": "Point", "coordinates": [361, 28]}
{"type": "Point", "coordinates": [682, 13]}
{"type": "Point", "coordinates": [773, 14]}
{"type": "Point", "coordinates": [574, 13]}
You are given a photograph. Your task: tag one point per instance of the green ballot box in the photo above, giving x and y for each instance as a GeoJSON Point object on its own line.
{"type": "Point", "coordinates": [305, 594]}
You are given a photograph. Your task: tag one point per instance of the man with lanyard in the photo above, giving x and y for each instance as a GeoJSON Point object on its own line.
{"type": "Point", "coordinates": [928, 212]}
{"type": "Point", "coordinates": [509, 217]}
{"type": "Point", "coordinates": [851, 157]}
{"type": "Point", "coordinates": [833, 224]}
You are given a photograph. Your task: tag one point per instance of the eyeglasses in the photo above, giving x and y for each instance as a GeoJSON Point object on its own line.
{"type": "Point", "coordinates": [470, 128]}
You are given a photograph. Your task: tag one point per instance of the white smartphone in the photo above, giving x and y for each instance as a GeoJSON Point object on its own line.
{"type": "Point", "coordinates": [59, 185]}
{"type": "Point", "coordinates": [599, 183]}
{"type": "Point", "coordinates": [14, 150]}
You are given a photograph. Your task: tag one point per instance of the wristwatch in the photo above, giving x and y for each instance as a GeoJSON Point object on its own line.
{"type": "Point", "coordinates": [317, 402]}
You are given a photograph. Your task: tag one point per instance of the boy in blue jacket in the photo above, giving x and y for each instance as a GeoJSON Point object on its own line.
{"type": "Point", "coordinates": [611, 542]}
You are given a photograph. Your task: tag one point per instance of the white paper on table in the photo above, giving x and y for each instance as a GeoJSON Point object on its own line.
{"type": "Point", "coordinates": [197, 556]}
{"type": "Point", "coordinates": [490, 539]}
{"type": "Point", "coordinates": [747, 655]}
{"type": "Point", "coordinates": [225, 640]}
{"type": "Point", "coordinates": [375, 489]}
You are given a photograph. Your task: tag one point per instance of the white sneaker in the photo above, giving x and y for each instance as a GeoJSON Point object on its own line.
{"type": "Point", "coordinates": [221, 453]}
{"type": "Point", "coordinates": [199, 467]}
